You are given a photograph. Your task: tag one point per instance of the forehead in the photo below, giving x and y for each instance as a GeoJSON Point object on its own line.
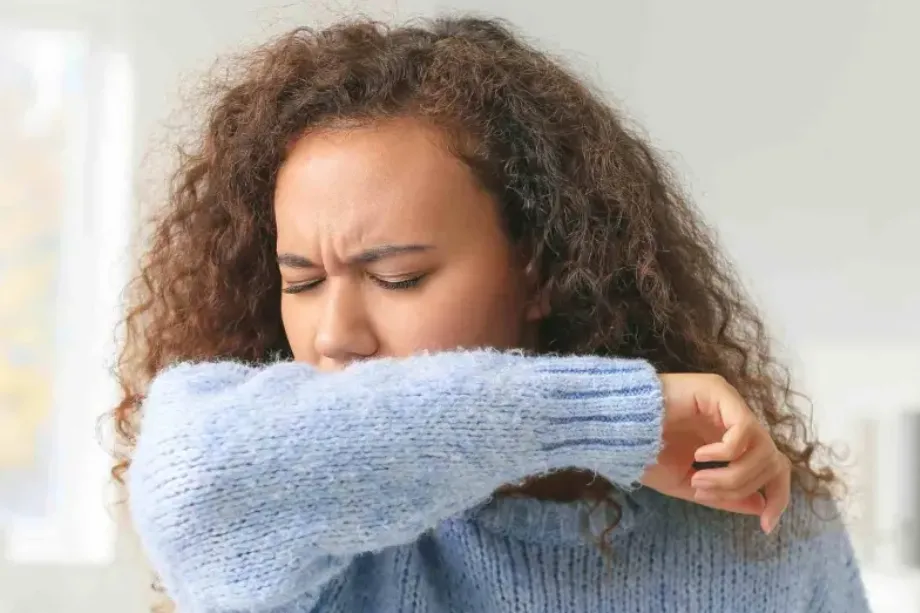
{"type": "Point", "coordinates": [381, 182]}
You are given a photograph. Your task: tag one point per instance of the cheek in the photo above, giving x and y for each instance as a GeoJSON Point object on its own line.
{"type": "Point", "coordinates": [460, 308]}
{"type": "Point", "coordinates": [299, 330]}
{"type": "Point", "coordinates": [452, 313]}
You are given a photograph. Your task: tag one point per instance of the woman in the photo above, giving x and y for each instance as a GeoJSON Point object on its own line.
{"type": "Point", "coordinates": [420, 282]}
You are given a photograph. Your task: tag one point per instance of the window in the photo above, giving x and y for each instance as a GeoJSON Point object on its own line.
{"type": "Point", "coordinates": [65, 159]}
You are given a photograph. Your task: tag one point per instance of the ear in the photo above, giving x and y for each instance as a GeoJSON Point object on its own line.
{"type": "Point", "coordinates": [538, 302]}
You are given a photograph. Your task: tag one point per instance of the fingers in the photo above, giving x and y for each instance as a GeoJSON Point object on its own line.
{"type": "Point", "coordinates": [755, 463]}
{"type": "Point", "coordinates": [734, 442]}
{"type": "Point", "coordinates": [753, 485]}
{"type": "Point", "coordinates": [742, 477]}
{"type": "Point", "coordinates": [757, 477]}
{"type": "Point", "coordinates": [750, 505]}
{"type": "Point", "coordinates": [738, 488]}
{"type": "Point", "coordinates": [741, 427]}
{"type": "Point", "coordinates": [777, 494]}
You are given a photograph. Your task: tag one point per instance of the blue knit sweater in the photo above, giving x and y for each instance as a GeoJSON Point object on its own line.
{"type": "Point", "coordinates": [280, 489]}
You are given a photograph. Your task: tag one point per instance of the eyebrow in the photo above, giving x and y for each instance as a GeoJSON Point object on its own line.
{"type": "Point", "coordinates": [292, 260]}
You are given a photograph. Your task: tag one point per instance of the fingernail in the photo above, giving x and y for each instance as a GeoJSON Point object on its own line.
{"type": "Point", "coordinates": [771, 524]}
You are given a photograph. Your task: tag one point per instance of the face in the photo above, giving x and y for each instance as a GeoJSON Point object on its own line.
{"type": "Point", "coordinates": [388, 246]}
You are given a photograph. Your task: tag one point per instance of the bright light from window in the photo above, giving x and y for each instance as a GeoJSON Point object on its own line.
{"type": "Point", "coordinates": [65, 200]}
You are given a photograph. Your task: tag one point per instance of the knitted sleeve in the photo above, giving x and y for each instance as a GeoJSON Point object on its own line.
{"type": "Point", "coordinates": [253, 487]}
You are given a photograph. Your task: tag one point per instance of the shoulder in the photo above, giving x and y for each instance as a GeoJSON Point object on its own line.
{"type": "Point", "coordinates": [813, 532]}
{"type": "Point", "coordinates": [810, 531]}
{"type": "Point", "coordinates": [808, 557]}
{"type": "Point", "coordinates": [809, 517]}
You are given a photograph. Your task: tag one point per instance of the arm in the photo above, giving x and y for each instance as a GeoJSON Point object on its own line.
{"type": "Point", "coordinates": [254, 487]}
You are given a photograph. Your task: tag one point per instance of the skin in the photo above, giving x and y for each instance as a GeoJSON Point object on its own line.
{"type": "Point", "coordinates": [388, 246]}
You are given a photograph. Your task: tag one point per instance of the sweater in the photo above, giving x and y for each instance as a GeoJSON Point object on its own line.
{"type": "Point", "coordinates": [280, 489]}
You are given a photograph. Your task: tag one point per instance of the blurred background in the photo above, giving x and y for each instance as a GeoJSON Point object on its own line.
{"type": "Point", "coordinates": [794, 125]}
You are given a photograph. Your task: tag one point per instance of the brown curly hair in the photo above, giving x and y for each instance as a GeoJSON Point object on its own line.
{"type": "Point", "coordinates": [629, 267]}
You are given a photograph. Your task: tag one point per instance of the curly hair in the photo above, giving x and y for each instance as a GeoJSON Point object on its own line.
{"type": "Point", "coordinates": [628, 266]}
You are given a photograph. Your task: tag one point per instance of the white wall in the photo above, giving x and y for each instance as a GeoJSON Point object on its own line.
{"type": "Point", "coordinates": [793, 122]}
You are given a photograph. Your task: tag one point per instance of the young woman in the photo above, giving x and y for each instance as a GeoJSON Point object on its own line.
{"type": "Point", "coordinates": [396, 341]}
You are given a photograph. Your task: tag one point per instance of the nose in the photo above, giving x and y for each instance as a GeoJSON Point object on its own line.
{"type": "Point", "coordinates": [344, 333]}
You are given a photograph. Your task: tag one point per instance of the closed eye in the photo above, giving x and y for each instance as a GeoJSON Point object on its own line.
{"type": "Point", "coordinates": [402, 284]}
{"type": "Point", "coordinates": [297, 288]}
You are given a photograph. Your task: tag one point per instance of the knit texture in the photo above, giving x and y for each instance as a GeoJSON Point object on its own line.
{"type": "Point", "coordinates": [280, 489]}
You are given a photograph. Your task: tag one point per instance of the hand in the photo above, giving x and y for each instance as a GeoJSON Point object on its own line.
{"type": "Point", "coordinates": [707, 420]}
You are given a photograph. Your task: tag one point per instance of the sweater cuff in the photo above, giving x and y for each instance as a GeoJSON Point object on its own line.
{"type": "Point", "coordinates": [604, 415]}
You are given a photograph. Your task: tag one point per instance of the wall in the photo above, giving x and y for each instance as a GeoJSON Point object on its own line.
{"type": "Point", "coordinates": [794, 129]}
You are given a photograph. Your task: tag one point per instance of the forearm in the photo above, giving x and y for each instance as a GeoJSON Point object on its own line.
{"type": "Point", "coordinates": [322, 467]}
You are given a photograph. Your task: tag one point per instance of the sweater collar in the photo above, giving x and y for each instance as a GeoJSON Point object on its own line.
{"type": "Point", "coordinates": [566, 523]}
